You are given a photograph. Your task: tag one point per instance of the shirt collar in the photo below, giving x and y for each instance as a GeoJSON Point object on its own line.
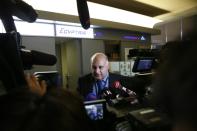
{"type": "Point", "coordinates": [106, 77]}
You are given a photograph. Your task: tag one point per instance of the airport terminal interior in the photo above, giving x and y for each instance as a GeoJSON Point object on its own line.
{"type": "Point", "coordinates": [55, 42]}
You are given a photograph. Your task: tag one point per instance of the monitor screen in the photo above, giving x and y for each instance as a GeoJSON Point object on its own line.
{"type": "Point", "coordinates": [144, 64]}
{"type": "Point", "coordinates": [96, 109]}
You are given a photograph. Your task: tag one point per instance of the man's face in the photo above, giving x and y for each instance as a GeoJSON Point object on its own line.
{"type": "Point", "coordinates": [100, 67]}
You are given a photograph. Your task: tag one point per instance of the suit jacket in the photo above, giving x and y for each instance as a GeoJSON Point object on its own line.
{"type": "Point", "coordinates": [85, 83]}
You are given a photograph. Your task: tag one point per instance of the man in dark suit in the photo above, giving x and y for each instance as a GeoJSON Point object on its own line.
{"type": "Point", "coordinates": [91, 85]}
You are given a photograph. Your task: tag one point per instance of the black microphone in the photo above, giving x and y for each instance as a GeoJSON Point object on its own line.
{"type": "Point", "coordinates": [19, 9]}
{"type": "Point", "coordinates": [83, 13]}
{"type": "Point", "coordinates": [106, 94]}
{"type": "Point", "coordinates": [31, 57]}
{"type": "Point", "coordinates": [110, 96]}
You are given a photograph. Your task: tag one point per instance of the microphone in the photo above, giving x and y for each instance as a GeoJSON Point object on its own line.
{"type": "Point", "coordinates": [24, 11]}
{"type": "Point", "coordinates": [106, 94]}
{"type": "Point", "coordinates": [32, 57]}
{"type": "Point", "coordinates": [19, 9]}
{"type": "Point", "coordinates": [109, 95]}
{"type": "Point", "coordinates": [131, 96]}
{"type": "Point", "coordinates": [83, 12]}
{"type": "Point", "coordinates": [117, 85]}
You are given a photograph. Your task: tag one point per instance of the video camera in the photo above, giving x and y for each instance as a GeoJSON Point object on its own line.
{"type": "Point", "coordinates": [52, 78]}
{"type": "Point", "coordinates": [144, 59]}
{"type": "Point", "coordinates": [13, 58]}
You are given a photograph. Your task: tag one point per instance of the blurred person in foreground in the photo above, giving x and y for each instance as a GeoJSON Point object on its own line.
{"type": "Point", "coordinates": [175, 84]}
{"type": "Point", "coordinates": [34, 109]}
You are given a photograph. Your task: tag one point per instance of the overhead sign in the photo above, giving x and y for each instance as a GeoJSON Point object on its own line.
{"type": "Point", "coordinates": [142, 38]}
{"type": "Point", "coordinates": [73, 32]}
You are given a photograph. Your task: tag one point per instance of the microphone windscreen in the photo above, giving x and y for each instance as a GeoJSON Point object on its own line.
{"type": "Point", "coordinates": [40, 58]}
{"type": "Point", "coordinates": [30, 58]}
{"type": "Point", "coordinates": [116, 84]}
{"type": "Point", "coordinates": [83, 13]}
{"type": "Point", "coordinates": [24, 11]}
{"type": "Point", "coordinates": [107, 94]}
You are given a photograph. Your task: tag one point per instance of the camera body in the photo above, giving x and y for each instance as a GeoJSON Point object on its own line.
{"type": "Point", "coordinates": [52, 78]}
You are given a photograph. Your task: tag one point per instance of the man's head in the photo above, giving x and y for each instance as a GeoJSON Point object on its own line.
{"type": "Point", "coordinates": [99, 66]}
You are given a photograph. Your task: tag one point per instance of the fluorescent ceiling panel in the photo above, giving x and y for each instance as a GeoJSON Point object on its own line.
{"type": "Point", "coordinates": [97, 11]}
{"type": "Point", "coordinates": [36, 29]}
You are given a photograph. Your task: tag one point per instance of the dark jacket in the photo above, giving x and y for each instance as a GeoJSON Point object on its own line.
{"type": "Point", "coordinates": [85, 83]}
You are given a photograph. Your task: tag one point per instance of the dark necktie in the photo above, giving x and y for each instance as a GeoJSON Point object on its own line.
{"type": "Point", "coordinates": [100, 87]}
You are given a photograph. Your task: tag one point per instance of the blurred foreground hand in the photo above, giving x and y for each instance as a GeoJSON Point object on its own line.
{"type": "Point", "coordinates": [36, 86]}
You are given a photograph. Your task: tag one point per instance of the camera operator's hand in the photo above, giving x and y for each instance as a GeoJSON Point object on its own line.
{"type": "Point", "coordinates": [36, 86]}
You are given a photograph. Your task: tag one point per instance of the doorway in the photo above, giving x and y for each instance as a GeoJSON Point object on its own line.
{"type": "Point", "coordinates": [69, 61]}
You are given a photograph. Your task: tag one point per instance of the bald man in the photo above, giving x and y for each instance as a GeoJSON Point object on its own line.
{"type": "Point", "coordinates": [92, 85]}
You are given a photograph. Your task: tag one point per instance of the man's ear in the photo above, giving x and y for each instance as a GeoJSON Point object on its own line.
{"type": "Point", "coordinates": [107, 65]}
